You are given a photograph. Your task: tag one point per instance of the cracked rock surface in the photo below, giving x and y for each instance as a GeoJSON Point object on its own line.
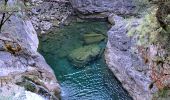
{"type": "Point", "coordinates": [127, 66]}
{"type": "Point", "coordinates": [22, 68]}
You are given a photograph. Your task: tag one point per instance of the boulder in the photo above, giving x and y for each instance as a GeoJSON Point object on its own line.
{"type": "Point", "coordinates": [93, 38]}
{"type": "Point", "coordinates": [81, 56]}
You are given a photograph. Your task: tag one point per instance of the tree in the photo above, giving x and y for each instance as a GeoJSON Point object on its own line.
{"type": "Point", "coordinates": [3, 20]}
{"type": "Point", "coordinates": [7, 12]}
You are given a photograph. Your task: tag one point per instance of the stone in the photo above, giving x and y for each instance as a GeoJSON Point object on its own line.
{"type": "Point", "coordinates": [123, 62]}
{"type": "Point", "coordinates": [18, 52]}
{"type": "Point", "coordinates": [87, 7]}
{"type": "Point", "coordinates": [47, 15]}
{"type": "Point", "coordinates": [92, 37]}
{"type": "Point", "coordinates": [83, 55]}
{"type": "Point", "coordinates": [45, 25]}
{"type": "Point", "coordinates": [111, 19]}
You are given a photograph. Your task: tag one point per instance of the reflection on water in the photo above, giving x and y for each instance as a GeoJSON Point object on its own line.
{"type": "Point", "coordinates": [92, 82]}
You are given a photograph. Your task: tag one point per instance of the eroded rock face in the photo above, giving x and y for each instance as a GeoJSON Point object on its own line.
{"type": "Point", "coordinates": [102, 7]}
{"type": "Point", "coordinates": [127, 66]}
{"type": "Point", "coordinates": [19, 59]}
{"type": "Point", "coordinates": [49, 14]}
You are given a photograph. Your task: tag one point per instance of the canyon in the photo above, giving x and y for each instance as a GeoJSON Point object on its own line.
{"type": "Point", "coordinates": [136, 52]}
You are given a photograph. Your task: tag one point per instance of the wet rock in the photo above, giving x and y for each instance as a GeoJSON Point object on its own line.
{"type": "Point", "coordinates": [84, 55]}
{"type": "Point", "coordinates": [90, 38]}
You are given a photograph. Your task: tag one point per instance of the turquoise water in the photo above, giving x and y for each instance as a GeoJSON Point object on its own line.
{"type": "Point", "coordinates": [92, 82]}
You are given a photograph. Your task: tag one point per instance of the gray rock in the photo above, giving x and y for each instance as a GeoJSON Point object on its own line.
{"type": "Point", "coordinates": [46, 15]}
{"type": "Point", "coordinates": [19, 57]}
{"type": "Point", "coordinates": [124, 63]}
{"type": "Point", "coordinates": [111, 19]}
{"type": "Point", "coordinates": [99, 6]}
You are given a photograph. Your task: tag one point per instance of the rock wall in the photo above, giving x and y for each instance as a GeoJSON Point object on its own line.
{"type": "Point", "coordinates": [138, 54]}
{"type": "Point", "coordinates": [101, 9]}
{"type": "Point", "coordinates": [22, 68]}
{"type": "Point", "coordinates": [143, 71]}
{"type": "Point", "coordinates": [126, 64]}
{"type": "Point", "coordinates": [101, 6]}
{"type": "Point", "coordinates": [48, 14]}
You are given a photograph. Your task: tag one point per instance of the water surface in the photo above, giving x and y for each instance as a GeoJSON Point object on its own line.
{"type": "Point", "coordinates": [92, 82]}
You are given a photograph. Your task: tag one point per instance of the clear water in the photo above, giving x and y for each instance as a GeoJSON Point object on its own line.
{"type": "Point", "coordinates": [94, 81]}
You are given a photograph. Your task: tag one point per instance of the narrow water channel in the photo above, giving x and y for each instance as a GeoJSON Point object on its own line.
{"type": "Point", "coordinates": [94, 81]}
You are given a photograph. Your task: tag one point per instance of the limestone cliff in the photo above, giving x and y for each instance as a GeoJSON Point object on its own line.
{"type": "Point", "coordinates": [136, 51]}
{"type": "Point", "coordinates": [22, 68]}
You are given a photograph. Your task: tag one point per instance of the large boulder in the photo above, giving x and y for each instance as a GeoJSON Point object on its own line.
{"type": "Point", "coordinates": [83, 55]}
{"type": "Point", "coordinates": [93, 38]}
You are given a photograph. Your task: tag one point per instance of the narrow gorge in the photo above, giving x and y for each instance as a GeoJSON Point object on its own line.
{"type": "Point", "coordinates": [91, 81]}
{"type": "Point", "coordinates": [84, 50]}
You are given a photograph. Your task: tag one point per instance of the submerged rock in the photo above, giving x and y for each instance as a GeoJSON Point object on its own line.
{"type": "Point", "coordinates": [93, 38]}
{"type": "Point", "coordinates": [81, 56]}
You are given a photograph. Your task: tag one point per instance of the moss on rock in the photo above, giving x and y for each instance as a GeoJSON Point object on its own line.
{"type": "Point", "coordinates": [148, 30]}
{"type": "Point", "coordinates": [162, 94]}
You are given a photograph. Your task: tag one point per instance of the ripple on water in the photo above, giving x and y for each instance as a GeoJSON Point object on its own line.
{"type": "Point", "coordinates": [94, 81]}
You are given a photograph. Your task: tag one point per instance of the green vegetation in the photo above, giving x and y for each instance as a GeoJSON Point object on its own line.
{"type": "Point", "coordinates": [162, 94]}
{"type": "Point", "coordinates": [30, 86]}
{"type": "Point", "coordinates": [148, 30]}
